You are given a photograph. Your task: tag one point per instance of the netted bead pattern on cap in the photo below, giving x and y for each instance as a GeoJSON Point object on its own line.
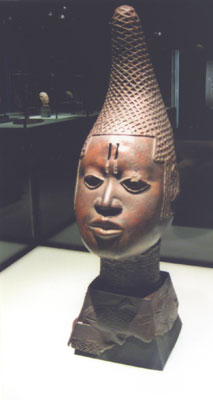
{"type": "Point", "coordinates": [134, 105]}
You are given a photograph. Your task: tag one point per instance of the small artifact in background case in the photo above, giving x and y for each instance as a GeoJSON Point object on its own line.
{"type": "Point", "coordinates": [127, 180]}
{"type": "Point", "coordinates": [45, 107]}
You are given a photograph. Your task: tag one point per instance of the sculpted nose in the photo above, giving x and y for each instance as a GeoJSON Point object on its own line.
{"type": "Point", "coordinates": [108, 205]}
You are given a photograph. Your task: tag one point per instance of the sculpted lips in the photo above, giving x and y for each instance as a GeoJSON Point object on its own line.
{"type": "Point", "coordinates": [105, 229]}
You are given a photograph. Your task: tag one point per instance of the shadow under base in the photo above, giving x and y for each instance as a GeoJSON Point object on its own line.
{"type": "Point", "coordinates": [140, 354]}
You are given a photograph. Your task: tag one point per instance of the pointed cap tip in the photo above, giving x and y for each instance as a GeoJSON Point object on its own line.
{"type": "Point", "coordinates": [124, 9]}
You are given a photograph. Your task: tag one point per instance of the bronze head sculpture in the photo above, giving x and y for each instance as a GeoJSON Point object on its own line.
{"type": "Point", "coordinates": [127, 179]}
{"type": "Point", "coordinates": [44, 98]}
{"type": "Point", "coordinates": [45, 105]}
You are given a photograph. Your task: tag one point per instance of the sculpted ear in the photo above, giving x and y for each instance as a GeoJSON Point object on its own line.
{"type": "Point", "coordinates": [171, 189]}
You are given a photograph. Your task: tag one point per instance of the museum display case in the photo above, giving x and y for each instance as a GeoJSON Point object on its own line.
{"type": "Point", "coordinates": [63, 50]}
{"type": "Point", "coordinates": [25, 106]}
{"type": "Point", "coordinates": [54, 73]}
{"type": "Point", "coordinates": [41, 294]}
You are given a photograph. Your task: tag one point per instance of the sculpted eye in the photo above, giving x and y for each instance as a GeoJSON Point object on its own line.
{"type": "Point", "coordinates": [135, 187]}
{"type": "Point", "coordinates": [92, 182]}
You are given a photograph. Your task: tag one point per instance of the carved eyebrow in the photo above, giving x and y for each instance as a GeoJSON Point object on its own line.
{"type": "Point", "coordinates": [135, 177]}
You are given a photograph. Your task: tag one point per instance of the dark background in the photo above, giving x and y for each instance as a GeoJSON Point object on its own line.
{"type": "Point", "coordinates": [56, 40]}
{"type": "Point", "coordinates": [59, 46]}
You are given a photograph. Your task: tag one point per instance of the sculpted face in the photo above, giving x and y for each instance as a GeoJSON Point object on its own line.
{"type": "Point", "coordinates": [44, 98]}
{"type": "Point", "coordinates": [119, 195]}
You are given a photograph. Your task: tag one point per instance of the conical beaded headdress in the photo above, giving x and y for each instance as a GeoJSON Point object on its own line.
{"type": "Point", "coordinates": [133, 104]}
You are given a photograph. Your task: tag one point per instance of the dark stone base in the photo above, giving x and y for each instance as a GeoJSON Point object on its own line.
{"type": "Point", "coordinates": [45, 112]}
{"type": "Point", "coordinates": [140, 354]}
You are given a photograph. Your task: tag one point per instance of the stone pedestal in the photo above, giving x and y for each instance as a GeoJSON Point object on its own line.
{"type": "Point", "coordinates": [126, 329]}
{"type": "Point", "coordinates": [45, 111]}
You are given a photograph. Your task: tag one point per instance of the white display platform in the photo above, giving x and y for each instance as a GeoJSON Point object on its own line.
{"type": "Point", "coordinates": [42, 293]}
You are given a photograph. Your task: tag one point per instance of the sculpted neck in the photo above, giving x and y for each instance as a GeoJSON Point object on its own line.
{"type": "Point", "coordinates": [135, 276]}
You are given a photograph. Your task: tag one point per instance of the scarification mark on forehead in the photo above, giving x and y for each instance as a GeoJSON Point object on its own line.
{"type": "Point", "coordinates": [109, 151]}
{"type": "Point", "coordinates": [115, 162]}
{"type": "Point", "coordinates": [116, 152]}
